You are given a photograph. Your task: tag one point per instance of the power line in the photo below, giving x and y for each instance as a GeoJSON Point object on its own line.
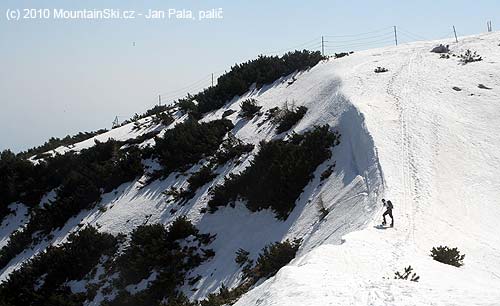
{"type": "Point", "coordinates": [413, 35]}
{"type": "Point", "coordinates": [361, 39]}
{"type": "Point", "coordinates": [361, 34]}
{"type": "Point", "coordinates": [386, 39]}
{"type": "Point", "coordinates": [305, 45]}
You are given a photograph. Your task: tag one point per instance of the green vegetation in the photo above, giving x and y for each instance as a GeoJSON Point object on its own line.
{"type": "Point", "coordinates": [197, 180]}
{"type": "Point", "coordinates": [273, 257]}
{"type": "Point", "coordinates": [249, 108]}
{"type": "Point", "coordinates": [287, 118]}
{"type": "Point", "coordinates": [155, 248]}
{"type": "Point", "coordinates": [55, 142]}
{"type": "Point", "coordinates": [470, 57]}
{"type": "Point", "coordinates": [79, 180]}
{"type": "Point", "coordinates": [263, 70]}
{"type": "Point", "coordinates": [275, 179]}
{"type": "Point", "coordinates": [449, 256]}
{"type": "Point", "coordinates": [189, 142]}
{"type": "Point", "coordinates": [231, 148]}
{"type": "Point", "coordinates": [407, 275]}
{"type": "Point", "coordinates": [41, 280]}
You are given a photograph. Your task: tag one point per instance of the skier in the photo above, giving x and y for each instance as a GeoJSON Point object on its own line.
{"type": "Point", "coordinates": [388, 211]}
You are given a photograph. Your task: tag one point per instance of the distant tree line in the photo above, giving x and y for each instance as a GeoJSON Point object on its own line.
{"type": "Point", "coordinates": [55, 142]}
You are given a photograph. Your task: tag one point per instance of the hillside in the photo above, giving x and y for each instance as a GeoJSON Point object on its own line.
{"type": "Point", "coordinates": [437, 149]}
{"type": "Point", "coordinates": [405, 135]}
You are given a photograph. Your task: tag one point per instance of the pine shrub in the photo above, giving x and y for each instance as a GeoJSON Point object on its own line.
{"type": "Point", "coordinates": [274, 178]}
{"type": "Point", "coordinates": [189, 142]}
{"type": "Point", "coordinates": [48, 271]}
{"type": "Point", "coordinates": [249, 108]}
{"type": "Point", "coordinates": [469, 57]}
{"type": "Point", "coordinates": [260, 71]}
{"type": "Point", "coordinates": [290, 118]}
{"type": "Point", "coordinates": [407, 275]}
{"type": "Point", "coordinates": [449, 256]}
{"type": "Point", "coordinates": [231, 148]}
{"type": "Point", "coordinates": [242, 257]}
{"type": "Point", "coordinates": [274, 257]}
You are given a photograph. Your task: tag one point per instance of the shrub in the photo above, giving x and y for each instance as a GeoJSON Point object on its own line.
{"type": "Point", "coordinates": [231, 147]}
{"type": "Point", "coordinates": [163, 118]}
{"type": "Point", "coordinates": [187, 106]}
{"type": "Point", "coordinates": [225, 296]}
{"type": "Point", "coordinates": [274, 257]}
{"type": "Point", "coordinates": [49, 270]}
{"type": "Point", "coordinates": [242, 257]}
{"type": "Point", "coordinates": [79, 179]}
{"type": "Point", "coordinates": [381, 69]}
{"type": "Point", "coordinates": [55, 142]}
{"type": "Point", "coordinates": [155, 248]}
{"type": "Point", "coordinates": [289, 117]}
{"type": "Point", "coordinates": [470, 57]}
{"type": "Point", "coordinates": [406, 275]}
{"type": "Point", "coordinates": [181, 228]}
{"type": "Point", "coordinates": [189, 142]}
{"type": "Point", "coordinates": [157, 109]}
{"type": "Point", "coordinates": [328, 171]}
{"type": "Point", "coordinates": [274, 179]}
{"type": "Point", "coordinates": [197, 180]}
{"type": "Point", "coordinates": [449, 256]}
{"type": "Point", "coordinates": [228, 112]}
{"type": "Point", "coordinates": [249, 108]}
{"type": "Point", "coordinates": [263, 70]}
{"type": "Point", "coordinates": [342, 54]}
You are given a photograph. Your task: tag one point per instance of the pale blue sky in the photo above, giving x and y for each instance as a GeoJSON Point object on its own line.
{"type": "Point", "coordinates": [60, 77]}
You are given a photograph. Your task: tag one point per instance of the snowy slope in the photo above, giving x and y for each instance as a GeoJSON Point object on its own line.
{"type": "Point", "coordinates": [350, 194]}
{"type": "Point", "coordinates": [438, 149]}
{"type": "Point", "coordinates": [406, 135]}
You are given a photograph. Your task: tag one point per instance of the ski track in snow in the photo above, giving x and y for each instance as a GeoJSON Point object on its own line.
{"type": "Point", "coordinates": [437, 152]}
{"type": "Point", "coordinates": [406, 136]}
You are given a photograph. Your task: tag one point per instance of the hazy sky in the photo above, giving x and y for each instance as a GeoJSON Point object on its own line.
{"type": "Point", "coordinates": [59, 77]}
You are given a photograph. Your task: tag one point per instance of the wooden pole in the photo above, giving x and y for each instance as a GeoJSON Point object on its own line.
{"type": "Point", "coordinates": [322, 46]}
{"type": "Point", "coordinates": [395, 35]}
{"type": "Point", "coordinates": [454, 31]}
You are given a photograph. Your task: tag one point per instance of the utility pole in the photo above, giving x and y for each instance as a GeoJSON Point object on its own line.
{"type": "Point", "coordinates": [395, 35]}
{"type": "Point", "coordinates": [454, 31]}
{"type": "Point", "coordinates": [159, 100]}
{"type": "Point", "coordinates": [322, 46]}
{"type": "Point", "coordinates": [488, 25]}
{"type": "Point", "coordinates": [115, 123]}
{"type": "Point", "coordinates": [212, 79]}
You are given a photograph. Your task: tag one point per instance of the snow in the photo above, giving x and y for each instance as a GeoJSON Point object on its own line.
{"type": "Point", "coordinates": [406, 136]}
{"type": "Point", "coordinates": [437, 149]}
{"type": "Point", "coordinates": [13, 221]}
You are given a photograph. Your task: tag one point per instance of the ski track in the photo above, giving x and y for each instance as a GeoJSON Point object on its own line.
{"type": "Point", "coordinates": [417, 121]}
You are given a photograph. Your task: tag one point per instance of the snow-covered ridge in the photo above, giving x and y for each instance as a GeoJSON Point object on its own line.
{"type": "Point", "coordinates": [406, 135]}
{"type": "Point", "coordinates": [438, 150]}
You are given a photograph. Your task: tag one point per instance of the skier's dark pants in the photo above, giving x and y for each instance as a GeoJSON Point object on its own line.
{"type": "Point", "coordinates": [388, 212]}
